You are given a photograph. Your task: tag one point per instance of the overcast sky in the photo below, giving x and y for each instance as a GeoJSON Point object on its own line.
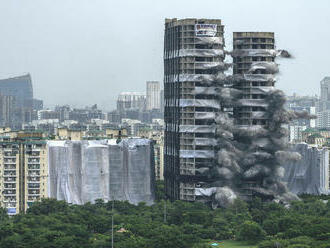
{"type": "Point", "coordinates": [82, 52]}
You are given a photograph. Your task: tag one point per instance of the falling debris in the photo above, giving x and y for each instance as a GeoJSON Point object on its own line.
{"type": "Point", "coordinates": [249, 156]}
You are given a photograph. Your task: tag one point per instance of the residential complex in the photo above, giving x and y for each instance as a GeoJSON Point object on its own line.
{"type": "Point", "coordinates": [76, 168]}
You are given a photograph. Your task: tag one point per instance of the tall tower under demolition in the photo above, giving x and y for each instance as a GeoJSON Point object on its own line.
{"type": "Point", "coordinates": [193, 51]}
{"type": "Point", "coordinates": [253, 57]}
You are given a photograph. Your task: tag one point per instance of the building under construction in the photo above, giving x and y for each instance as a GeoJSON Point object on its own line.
{"type": "Point", "coordinates": [193, 51]}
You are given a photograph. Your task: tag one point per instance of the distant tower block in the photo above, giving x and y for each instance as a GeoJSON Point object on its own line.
{"type": "Point", "coordinates": [153, 95]}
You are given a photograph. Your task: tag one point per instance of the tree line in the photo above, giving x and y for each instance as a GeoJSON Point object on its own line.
{"type": "Point", "coordinates": [51, 224]}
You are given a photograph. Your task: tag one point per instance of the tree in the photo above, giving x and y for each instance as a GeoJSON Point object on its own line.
{"type": "Point", "coordinates": [48, 206]}
{"type": "Point", "coordinates": [160, 190]}
{"type": "Point", "coordinates": [3, 215]}
{"type": "Point", "coordinates": [166, 236]}
{"type": "Point", "coordinates": [251, 231]}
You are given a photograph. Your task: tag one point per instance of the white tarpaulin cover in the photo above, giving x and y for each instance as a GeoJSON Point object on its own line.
{"type": "Point", "coordinates": [205, 115]}
{"type": "Point", "coordinates": [208, 40]}
{"type": "Point", "coordinates": [310, 175]}
{"type": "Point", "coordinates": [197, 129]}
{"type": "Point", "coordinates": [211, 103]}
{"type": "Point", "coordinates": [197, 154]}
{"type": "Point", "coordinates": [83, 171]}
{"type": "Point", "coordinates": [252, 102]}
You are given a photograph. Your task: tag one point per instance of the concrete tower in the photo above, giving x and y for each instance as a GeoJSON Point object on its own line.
{"type": "Point", "coordinates": [253, 58]}
{"type": "Point", "coordinates": [193, 50]}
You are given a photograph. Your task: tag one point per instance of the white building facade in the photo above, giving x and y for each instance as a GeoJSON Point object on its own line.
{"type": "Point", "coordinates": [153, 95]}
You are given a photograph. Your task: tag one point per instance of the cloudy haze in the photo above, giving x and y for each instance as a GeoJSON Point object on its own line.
{"type": "Point", "coordinates": [82, 52]}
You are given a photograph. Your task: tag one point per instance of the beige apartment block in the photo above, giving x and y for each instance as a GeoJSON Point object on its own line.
{"type": "Point", "coordinates": [23, 173]}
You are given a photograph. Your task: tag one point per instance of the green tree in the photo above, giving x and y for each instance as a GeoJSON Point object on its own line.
{"type": "Point", "coordinates": [250, 231]}
{"type": "Point", "coordinates": [48, 206]}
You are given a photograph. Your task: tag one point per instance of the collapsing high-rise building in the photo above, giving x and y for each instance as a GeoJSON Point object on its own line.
{"type": "Point", "coordinates": [193, 51]}
{"type": "Point", "coordinates": [252, 57]}
{"type": "Point", "coordinates": [224, 137]}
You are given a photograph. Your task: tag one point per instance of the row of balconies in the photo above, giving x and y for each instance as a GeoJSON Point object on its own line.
{"type": "Point", "coordinates": [188, 186]}
{"type": "Point", "coordinates": [12, 149]}
{"type": "Point", "coordinates": [34, 173]}
{"type": "Point", "coordinates": [9, 173]}
{"type": "Point", "coordinates": [9, 167]}
{"type": "Point", "coordinates": [9, 199]}
{"type": "Point", "coordinates": [10, 179]}
{"type": "Point", "coordinates": [10, 205]}
{"type": "Point", "coordinates": [10, 185]}
{"type": "Point", "coordinates": [9, 160]}
{"type": "Point", "coordinates": [37, 159]}
{"type": "Point", "coordinates": [33, 192]}
{"type": "Point", "coordinates": [255, 46]}
{"type": "Point", "coordinates": [187, 191]}
{"type": "Point", "coordinates": [33, 198]}
{"type": "Point", "coordinates": [34, 185]}
{"type": "Point", "coordinates": [9, 155]}
{"type": "Point", "coordinates": [9, 192]}
{"type": "Point", "coordinates": [33, 166]}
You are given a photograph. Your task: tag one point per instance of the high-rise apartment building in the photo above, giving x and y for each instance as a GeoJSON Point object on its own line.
{"type": "Point", "coordinates": [153, 95]}
{"type": "Point", "coordinates": [193, 50]}
{"type": "Point", "coordinates": [253, 58]}
{"type": "Point", "coordinates": [23, 172]}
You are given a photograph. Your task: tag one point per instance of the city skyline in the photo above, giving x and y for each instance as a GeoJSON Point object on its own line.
{"type": "Point", "coordinates": [58, 51]}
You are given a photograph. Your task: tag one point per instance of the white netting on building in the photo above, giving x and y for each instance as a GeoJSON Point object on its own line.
{"type": "Point", "coordinates": [310, 174]}
{"type": "Point", "coordinates": [83, 171]}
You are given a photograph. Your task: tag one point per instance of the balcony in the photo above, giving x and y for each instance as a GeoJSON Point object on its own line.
{"type": "Point", "coordinates": [9, 161]}
{"type": "Point", "coordinates": [12, 174]}
{"type": "Point", "coordinates": [9, 187]}
{"type": "Point", "coordinates": [10, 179]}
{"type": "Point", "coordinates": [33, 173]}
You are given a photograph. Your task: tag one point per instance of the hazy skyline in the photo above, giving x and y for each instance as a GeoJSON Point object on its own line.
{"type": "Point", "coordinates": [82, 52]}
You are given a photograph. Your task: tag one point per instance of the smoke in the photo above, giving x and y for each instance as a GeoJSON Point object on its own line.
{"type": "Point", "coordinates": [224, 197]}
{"type": "Point", "coordinates": [249, 157]}
{"type": "Point", "coordinates": [284, 156]}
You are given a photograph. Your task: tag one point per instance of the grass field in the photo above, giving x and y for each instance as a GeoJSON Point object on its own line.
{"type": "Point", "coordinates": [232, 244]}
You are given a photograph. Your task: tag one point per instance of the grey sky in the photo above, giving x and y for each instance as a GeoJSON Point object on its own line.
{"type": "Point", "coordinates": [82, 52]}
